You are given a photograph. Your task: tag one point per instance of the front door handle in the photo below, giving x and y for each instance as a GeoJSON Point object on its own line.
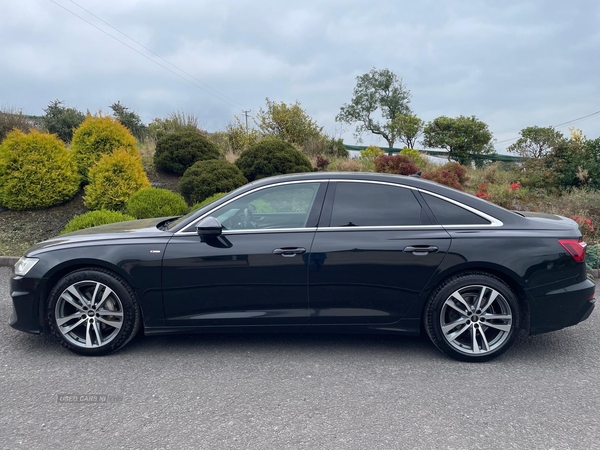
{"type": "Point", "coordinates": [421, 250]}
{"type": "Point", "coordinates": [289, 252]}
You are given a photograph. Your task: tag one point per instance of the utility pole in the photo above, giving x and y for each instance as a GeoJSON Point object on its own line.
{"type": "Point", "coordinates": [246, 111]}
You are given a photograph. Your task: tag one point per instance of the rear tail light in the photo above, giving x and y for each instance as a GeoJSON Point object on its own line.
{"type": "Point", "coordinates": [575, 248]}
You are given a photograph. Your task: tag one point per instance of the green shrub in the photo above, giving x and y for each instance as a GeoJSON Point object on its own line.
{"type": "Point", "coordinates": [206, 178]}
{"type": "Point", "coordinates": [154, 202]}
{"type": "Point", "coordinates": [94, 219]}
{"type": "Point", "coordinates": [397, 164]}
{"type": "Point", "coordinates": [414, 156]}
{"type": "Point", "coordinates": [113, 180]}
{"type": "Point", "coordinates": [36, 171]}
{"type": "Point", "coordinates": [98, 136]}
{"type": "Point", "coordinates": [371, 153]}
{"type": "Point", "coordinates": [272, 156]}
{"type": "Point", "coordinates": [178, 151]}
{"type": "Point", "coordinates": [208, 200]}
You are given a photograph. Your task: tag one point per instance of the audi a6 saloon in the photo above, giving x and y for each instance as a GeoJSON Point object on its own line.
{"type": "Point", "coordinates": [323, 252]}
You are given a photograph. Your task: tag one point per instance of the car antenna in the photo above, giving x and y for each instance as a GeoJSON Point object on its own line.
{"type": "Point", "coordinates": [416, 175]}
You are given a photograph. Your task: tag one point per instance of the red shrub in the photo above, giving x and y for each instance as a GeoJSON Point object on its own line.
{"type": "Point", "coordinates": [443, 176]}
{"type": "Point", "coordinates": [398, 164]}
{"type": "Point", "coordinates": [322, 163]}
{"type": "Point", "coordinates": [460, 171]}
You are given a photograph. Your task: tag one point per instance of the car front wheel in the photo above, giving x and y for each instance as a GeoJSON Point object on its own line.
{"type": "Point", "coordinates": [93, 312]}
{"type": "Point", "coordinates": [472, 317]}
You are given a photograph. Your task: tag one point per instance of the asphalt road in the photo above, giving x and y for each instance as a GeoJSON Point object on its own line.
{"type": "Point", "coordinates": [299, 391]}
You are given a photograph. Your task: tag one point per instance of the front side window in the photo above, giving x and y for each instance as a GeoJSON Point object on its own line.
{"type": "Point", "coordinates": [368, 204]}
{"type": "Point", "coordinates": [286, 206]}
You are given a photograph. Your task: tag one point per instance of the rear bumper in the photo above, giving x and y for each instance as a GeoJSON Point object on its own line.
{"type": "Point", "coordinates": [25, 315]}
{"type": "Point", "coordinates": [562, 308]}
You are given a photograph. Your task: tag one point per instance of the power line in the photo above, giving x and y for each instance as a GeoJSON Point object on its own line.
{"type": "Point", "coordinates": [220, 96]}
{"type": "Point", "coordinates": [554, 126]}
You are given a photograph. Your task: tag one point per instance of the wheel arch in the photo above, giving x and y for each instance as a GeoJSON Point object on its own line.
{"type": "Point", "coordinates": [511, 278]}
{"type": "Point", "coordinates": [59, 271]}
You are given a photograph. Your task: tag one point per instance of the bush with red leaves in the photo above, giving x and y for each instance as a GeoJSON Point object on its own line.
{"type": "Point", "coordinates": [398, 164]}
{"type": "Point", "coordinates": [459, 170]}
{"type": "Point", "coordinates": [443, 176]}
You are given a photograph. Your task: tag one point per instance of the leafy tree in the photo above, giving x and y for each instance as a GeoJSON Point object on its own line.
{"type": "Point", "coordinates": [60, 120]}
{"type": "Point", "coordinates": [239, 137]}
{"type": "Point", "coordinates": [460, 136]}
{"type": "Point", "coordinates": [289, 123]}
{"type": "Point", "coordinates": [377, 90]}
{"type": "Point", "coordinates": [407, 128]}
{"type": "Point", "coordinates": [130, 120]}
{"type": "Point", "coordinates": [536, 142]}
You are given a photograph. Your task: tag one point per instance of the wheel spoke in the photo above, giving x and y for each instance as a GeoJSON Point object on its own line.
{"type": "Point", "coordinates": [460, 298]}
{"type": "Point", "coordinates": [110, 323]}
{"type": "Point", "coordinates": [453, 305]}
{"type": "Point", "coordinates": [105, 295]}
{"type": "Point", "coordinates": [480, 299]}
{"type": "Point", "coordinates": [66, 296]}
{"type": "Point", "coordinates": [61, 321]}
{"type": "Point", "coordinates": [88, 335]}
{"type": "Point", "coordinates": [97, 331]}
{"type": "Point", "coordinates": [491, 300]}
{"type": "Point", "coordinates": [456, 334]}
{"type": "Point", "coordinates": [449, 327]}
{"type": "Point", "coordinates": [94, 295]}
{"type": "Point", "coordinates": [475, 346]}
{"type": "Point", "coordinates": [74, 292]}
{"type": "Point", "coordinates": [108, 312]}
{"type": "Point", "coordinates": [497, 317]}
{"type": "Point", "coordinates": [484, 341]}
{"type": "Point", "coordinates": [497, 326]}
{"type": "Point", "coordinates": [72, 327]}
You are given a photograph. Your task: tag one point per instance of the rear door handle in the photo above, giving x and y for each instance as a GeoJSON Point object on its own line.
{"type": "Point", "coordinates": [421, 250]}
{"type": "Point", "coordinates": [289, 252]}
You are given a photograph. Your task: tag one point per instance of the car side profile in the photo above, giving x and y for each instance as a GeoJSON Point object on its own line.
{"type": "Point", "coordinates": [322, 252]}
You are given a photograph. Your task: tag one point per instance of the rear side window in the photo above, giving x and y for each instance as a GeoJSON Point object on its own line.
{"type": "Point", "coordinates": [450, 214]}
{"type": "Point", "coordinates": [367, 204]}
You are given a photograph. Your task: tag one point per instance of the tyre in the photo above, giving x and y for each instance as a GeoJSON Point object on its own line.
{"type": "Point", "coordinates": [93, 312]}
{"type": "Point", "coordinates": [472, 317]}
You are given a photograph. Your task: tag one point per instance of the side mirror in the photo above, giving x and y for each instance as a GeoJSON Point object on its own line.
{"type": "Point", "coordinates": [209, 226]}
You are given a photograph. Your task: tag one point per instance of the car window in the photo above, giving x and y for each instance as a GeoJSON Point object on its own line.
{"type": "Point", "coordinates": [450, 214]}
{"type": "Point", "coordinates": [368, 204]}
{"type": "Point", "coordinates": [285, 206]}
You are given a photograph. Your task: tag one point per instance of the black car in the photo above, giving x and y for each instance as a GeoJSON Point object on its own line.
{"type": "Point", "coordinates": [324, 252]}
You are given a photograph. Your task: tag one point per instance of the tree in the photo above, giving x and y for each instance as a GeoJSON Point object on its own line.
{"type": "Point", "coordinates": [407, 128]}
{"type": "Point", "coordinates": [130, 120]}
{"type": "Point", "coordinates": [377, 90]}
{"type": "Point", "coordinates": [536, 142]}
{"type": "Point", "coordinates": [60, 120]}
{"type": "Point", "coordinates": [289, 123]}
{"type": "Point", "coordinates": [460, 136]}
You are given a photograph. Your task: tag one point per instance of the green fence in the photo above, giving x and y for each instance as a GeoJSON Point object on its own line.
{"type": "Point", "coordinates": [444, 154]}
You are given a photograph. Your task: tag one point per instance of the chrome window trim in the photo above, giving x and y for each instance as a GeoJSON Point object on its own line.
{"type": "Point", "coordinates": [194, 222]}
{"type": "Point", "coordinates": [494, 223]}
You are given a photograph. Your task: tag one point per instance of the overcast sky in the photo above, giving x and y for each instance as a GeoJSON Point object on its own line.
{"type": "Point", "coordinates": [512, 64]}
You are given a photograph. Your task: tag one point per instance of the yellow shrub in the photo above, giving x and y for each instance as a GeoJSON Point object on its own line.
{"type": "Point", "coordinates": [98, 136]}
{"type": "Point", "coordinates": [371, 152]}
{"type": "Point", "coordinates": [114, 179]}
{"type": "Point", "coordinates": [36, 171]}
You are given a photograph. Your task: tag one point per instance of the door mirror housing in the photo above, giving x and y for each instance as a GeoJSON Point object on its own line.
{"type": "Point", "coordinates": [209, 227]}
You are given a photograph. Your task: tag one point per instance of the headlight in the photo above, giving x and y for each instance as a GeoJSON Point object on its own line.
{"type": "Point", "coordinates": [24, 265]}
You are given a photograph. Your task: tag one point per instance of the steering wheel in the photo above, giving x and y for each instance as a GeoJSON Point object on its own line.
{"type": "Point", "coordinates": [249, 217]}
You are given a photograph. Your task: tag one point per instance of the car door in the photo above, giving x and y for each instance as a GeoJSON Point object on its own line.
{"type": "Point", "coordinates": [375, 248]}
{"type": "Point", "coordinates": [255, 273]}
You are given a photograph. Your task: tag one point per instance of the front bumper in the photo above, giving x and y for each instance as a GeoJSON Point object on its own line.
{"type": "Point", "coordinates": [562, 308]}
{"type": "Point", "coordinates": [26, 305]}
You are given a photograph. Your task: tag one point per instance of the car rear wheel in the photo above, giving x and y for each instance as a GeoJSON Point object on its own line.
{"type": "Point", "coordinates": [93, 312]}
{"type": "Point", "coordinates": [472, 317]}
